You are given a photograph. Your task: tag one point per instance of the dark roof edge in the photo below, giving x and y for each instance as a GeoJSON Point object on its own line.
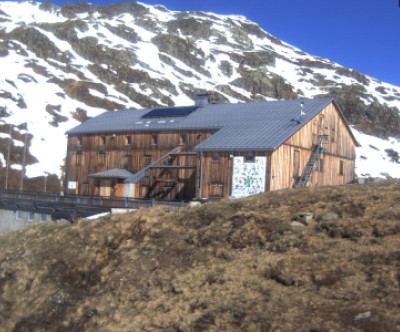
{"type": "Point", "coordinates": [96, 132]}
{"type": "Point", "coordinates": [233, 149]}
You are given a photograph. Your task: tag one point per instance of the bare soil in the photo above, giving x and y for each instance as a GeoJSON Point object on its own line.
{"type": "Point", "coordinates": [234, 265]}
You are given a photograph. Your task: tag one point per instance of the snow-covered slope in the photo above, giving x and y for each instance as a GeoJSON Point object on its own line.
{"type": "Point", "coordinates": [61, 65]}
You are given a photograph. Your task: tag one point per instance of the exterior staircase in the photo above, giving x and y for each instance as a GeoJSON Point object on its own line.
{"type": "Point", "coordinates": [311, 166]}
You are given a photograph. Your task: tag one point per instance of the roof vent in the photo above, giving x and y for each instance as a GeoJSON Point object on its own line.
{"type": "Point", "coordinates": [202, 99]}
{"type": "Point", "coordinates": [302, 113]}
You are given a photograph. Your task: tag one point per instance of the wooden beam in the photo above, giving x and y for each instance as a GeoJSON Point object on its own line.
{"type": "Point", "coordinates": [185, 154]}
{"type": "Point", "coordinates": [166, 180]}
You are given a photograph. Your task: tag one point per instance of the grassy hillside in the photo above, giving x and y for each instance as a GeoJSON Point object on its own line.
{"type": "Point", "coordinates": [236, 265]}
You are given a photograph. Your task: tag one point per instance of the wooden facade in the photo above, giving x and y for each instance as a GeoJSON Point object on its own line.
{"type": "Point", "coordinates": [176, 178]}
{"type": "Point", "coordinates": [185, 174]}
{"type": "Point", "coordinates": [337, 163]}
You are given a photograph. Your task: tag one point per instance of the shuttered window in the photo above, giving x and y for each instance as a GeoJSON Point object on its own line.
{"type": "Point", "coordinates": [216, 190]}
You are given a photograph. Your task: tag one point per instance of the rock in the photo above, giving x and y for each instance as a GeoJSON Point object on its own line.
{"type": "Point", "coordinates": [305, 218]}
{"type": "Point", "coordinates": [296, 224]}
{"type": "Point", "coordinates": [60, 297]}
{"type": "Point", "coordinates": [194, 204]}
{"type": "Point", "coordinates": [330, 216]}
{"type": "Point", "coordinates": [362, 316]}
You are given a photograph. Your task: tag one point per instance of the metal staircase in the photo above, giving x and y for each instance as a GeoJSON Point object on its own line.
{"type": "Point", "coordinates": [310, 168]}
{"type": "Point", "coordinates": [316, 152]}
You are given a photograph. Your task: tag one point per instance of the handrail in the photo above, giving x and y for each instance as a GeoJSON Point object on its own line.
{"type": "Point", "coordinates": [141, 174]}
{"type": "Point", "coordinates": [95, 201]}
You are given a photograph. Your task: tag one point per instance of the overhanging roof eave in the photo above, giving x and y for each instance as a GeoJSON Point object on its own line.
{"type": "Point", "coordinates": [235, 149]}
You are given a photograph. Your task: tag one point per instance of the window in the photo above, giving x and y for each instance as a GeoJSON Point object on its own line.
{"type": "Point", "coordinates": [31, 216]}
{"type": "Point", "coordinates": [249, 159]}
{"type": "Point", "coordinates": [80, 140]}
{"type": "Point", "coordinates": [18, 215]}
{"type": "Point", "coordinates": [102, 140]}
{"type": "Point", "coordinates": [341, 167]}
{"type": "Point", "coordinates": [128, 140]}
{"type": "Point", "coordinates": [183, 139]}
{"type": "Point", "coordinates": [321, 165]}
{"type": "Point", "coordinates": [78, 158]}
{"type": "Point", "coordinates": [43, 217]}
{"type": "Point", "coordinates": [216, 190]}
{"type": "Point", "coordinates": [154, 140]}
{"type": "Point", "coordinates": [102, 158]}
{"type": "Point", "coordinates": [128, 161]}
{"type": "Point", "coordinates": [147, 159]}
{"type": "Point", "coordinates": [216, 159]}
{"type": "Point", "coordinates": [333, 135]}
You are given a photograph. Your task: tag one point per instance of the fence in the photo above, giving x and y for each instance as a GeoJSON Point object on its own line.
{"type": "Point", "coordinates": [88, 201]}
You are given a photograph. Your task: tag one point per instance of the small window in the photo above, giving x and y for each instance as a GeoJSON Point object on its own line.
{"type": "Point", "coordinates": [31, 216]}
{"type": "Point", "coordinates": [128, 140]}
{"type": "Point", "coordinates": [183, 139]}
{"type": "Point", "coordinates": [249, 159]}
{"type": "Point", "coordinates": [18, 215]}
{"type": "Point", "coordinates": [43, 217]}
{"type": "Point", "coordinates": [102, 140]}
{"type": "Point", "coordinates": [216, 159]}
{"type": "Point", "coordinates": [147, 159]}
{"type": "Point", "coordinates": [341, 167]}
{"type": "Point", "coordinates": [78, 158]}
{"type": "Point", "coordinates": [216, 190]}
{"type": "Point", "coordinates": [102, 158]}
{"type": "Point", "coordinates": [128, 162]}
{"type": "Point", "coordinates": [154, 140]}
{"type": "Point", "coordinates": [80, 140]}
{"type": "Point", "coordinates": [333, 135]}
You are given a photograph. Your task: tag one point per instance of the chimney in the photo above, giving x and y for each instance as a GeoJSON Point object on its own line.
{"type": "Point", "coordinates": [202, 99]}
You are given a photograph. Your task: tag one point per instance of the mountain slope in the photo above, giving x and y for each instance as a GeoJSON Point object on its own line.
{"type": "Point", "coordinates": [65, 64]}
{"type": "Point", "coordinates": [236, 265]}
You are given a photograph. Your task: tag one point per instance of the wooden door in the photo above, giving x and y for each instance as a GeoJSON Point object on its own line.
{"type": "Point", "coordinates": [119, 191]}
{"type": "Point", "coordinates": [296, 164]}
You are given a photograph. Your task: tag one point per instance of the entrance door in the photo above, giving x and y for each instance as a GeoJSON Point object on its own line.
{"type": "Point", "coordinates": [119, 191]}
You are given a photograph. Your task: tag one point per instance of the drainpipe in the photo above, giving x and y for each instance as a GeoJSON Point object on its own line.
{"type": "Point", "coordinates": [201, 175]}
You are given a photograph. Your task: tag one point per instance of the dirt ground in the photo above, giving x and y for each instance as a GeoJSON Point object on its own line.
{"type": "Point", "coordinates": [234, 265]}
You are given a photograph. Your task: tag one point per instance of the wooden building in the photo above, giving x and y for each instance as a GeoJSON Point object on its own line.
{"type": "Point", "coordinates": [209, 151]}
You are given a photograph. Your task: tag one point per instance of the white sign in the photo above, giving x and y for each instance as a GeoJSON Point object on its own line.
{"type": "Point", "coordinates": [248, 178]}
{"type": "Point", "coordinates": [72, 185]}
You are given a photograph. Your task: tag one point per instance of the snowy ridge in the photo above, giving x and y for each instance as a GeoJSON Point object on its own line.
{"type": "Point", "coordinates": [116, 57]}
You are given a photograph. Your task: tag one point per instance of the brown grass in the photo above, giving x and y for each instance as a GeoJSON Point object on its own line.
{"type": "Point", "coordinates": [236, 265]}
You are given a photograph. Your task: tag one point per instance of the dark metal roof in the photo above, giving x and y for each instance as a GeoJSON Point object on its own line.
{"type": "Point", "coordinates": [239, 127]}
{"type": "Point", "coordinates": [115, 173]}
